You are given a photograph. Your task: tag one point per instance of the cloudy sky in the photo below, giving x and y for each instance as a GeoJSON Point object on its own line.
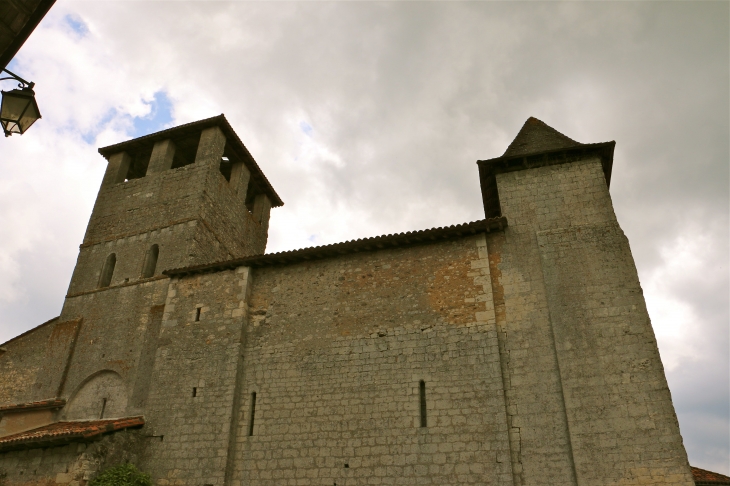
{"type": "Point", "coordinates": [368, 119]}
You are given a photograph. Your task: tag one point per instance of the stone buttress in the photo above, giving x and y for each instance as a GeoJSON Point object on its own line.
{"type": "Point", "coordinates": [585, 391]}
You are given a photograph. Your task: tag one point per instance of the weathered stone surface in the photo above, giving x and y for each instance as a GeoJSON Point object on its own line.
{"type": "Point", "coordinates": [71, 463]}
{"type": "Point", "coordinates": [529, 349]}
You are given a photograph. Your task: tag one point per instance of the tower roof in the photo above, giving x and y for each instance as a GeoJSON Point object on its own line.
{"type": "Point", "coordinates": [537, 145]}
{"type": "Point", "coordinates": [536, 136]}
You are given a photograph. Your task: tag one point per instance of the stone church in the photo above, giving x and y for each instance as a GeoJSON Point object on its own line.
{"type": "Point", "coordinates": [515, 350]}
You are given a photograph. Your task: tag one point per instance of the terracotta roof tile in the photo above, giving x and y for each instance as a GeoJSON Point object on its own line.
{"type": "Point", "coordinates": [704, 477]}
{"type": "Point", "coordinates": [352, 246]}
{"type": "Point", "coordinates": [39, 405]}
{"type": "Point", "coordinates": [61, 433]}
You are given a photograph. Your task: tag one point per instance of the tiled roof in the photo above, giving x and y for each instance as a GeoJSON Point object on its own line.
{"type": "Point", "coordinates": [61, 433]}
{"type": "Point", "coordinates": [352, 246]}
{"type": "Point", "coordinates": [536, 136]}
{"type": "Point", "coordinates": [39, 405]}
{"type": "Point", "coordinates": [703, 477]}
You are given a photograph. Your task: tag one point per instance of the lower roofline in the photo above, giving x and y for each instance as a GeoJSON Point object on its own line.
{"type": "Point", "coordinates": [353, 246]}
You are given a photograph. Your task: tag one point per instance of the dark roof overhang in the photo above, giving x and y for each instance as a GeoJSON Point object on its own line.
{"type": "Point", "coordinates": [488, 169]}
{"type": "Point", "coordinates": [365, 244]}
{"type": "Point", "coordinates": [233, 142]}
{"type": "Point", "coordinates": [18, 19]}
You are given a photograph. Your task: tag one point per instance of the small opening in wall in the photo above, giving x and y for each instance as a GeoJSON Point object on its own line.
{"type": "Point", "coordinates": [138, 164]}
{"type": "Point", "coordinates": [150, 261]}
{"type": "Point", "coordinates": [103, 407]}
{"type": "Point", "coordinates": [107, 271]}
{"type": "Point", "coordinates": [226, 167]}
{"type": "Point", "coordinates": [197, 314]}
{"type": "Point", "coordinates": [253, 411]}
{"type": "Point", "coordinates": [195, 392]}
{"type": "Point", "coordinates": [422, 398]}
{"type": "Point", "coordinates": [347, 465]}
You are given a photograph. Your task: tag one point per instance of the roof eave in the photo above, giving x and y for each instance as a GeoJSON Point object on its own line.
{"type": "Point", "coordinates": [52, 403]}
{"type": "Point", "coordinates": [365, 244]}
{"type": "Point", "coordinates": [504, 163]}
{"type": "Point", "coordinates": [488, 169]}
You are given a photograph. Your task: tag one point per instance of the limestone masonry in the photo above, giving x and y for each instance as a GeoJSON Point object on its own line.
{"type": "Point", "coordinates": [515, 350]}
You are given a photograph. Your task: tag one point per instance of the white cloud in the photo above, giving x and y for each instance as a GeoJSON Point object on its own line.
{"type": "Point", "coordinates": [674, 319]}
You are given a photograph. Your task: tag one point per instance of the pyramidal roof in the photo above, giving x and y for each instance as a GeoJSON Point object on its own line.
{"type": "Point", "coordinates": [535, 136]}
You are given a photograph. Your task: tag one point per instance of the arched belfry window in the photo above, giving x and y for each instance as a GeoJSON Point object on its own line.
{"type": "Point", "coordinates": [150, 261]}
{"type": "Point", "coordinates": [107, 271]}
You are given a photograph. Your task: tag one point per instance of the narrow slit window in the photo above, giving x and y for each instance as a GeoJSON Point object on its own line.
{"type": "Point", "coordinates": [195, 392]}
{"type": "Point", "coordinates": [107, 271]}
{"type": "Point", "coordinates": [253, 412]}
{"type": "Point", "coordinates": [150, 261]}
{"type": "Point", "coordinates": [103, 408]}
{"type": "Point", "coordinates": [197, 314]}
{"type": "Point", "coordinates": [422, 398]}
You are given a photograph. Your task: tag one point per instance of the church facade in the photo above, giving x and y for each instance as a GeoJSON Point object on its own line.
{"type": "Point", "coordinates": [515, 350]}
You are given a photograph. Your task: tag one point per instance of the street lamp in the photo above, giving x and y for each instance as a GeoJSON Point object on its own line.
{"type": "Point", "coordinates": [19, 109]}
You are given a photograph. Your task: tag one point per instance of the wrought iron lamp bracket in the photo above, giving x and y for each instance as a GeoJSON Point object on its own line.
{"type": "Point", "coordinates": [22, 83]}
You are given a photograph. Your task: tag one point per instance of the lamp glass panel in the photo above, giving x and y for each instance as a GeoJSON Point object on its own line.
{"type": "Point", "coordinates": [29, 117]}
{"type": "Point", "coordinates": [13, 106]}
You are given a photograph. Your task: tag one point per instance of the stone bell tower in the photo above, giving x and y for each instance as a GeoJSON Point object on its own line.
{"type": "Point", "coordinates": [189, 195]}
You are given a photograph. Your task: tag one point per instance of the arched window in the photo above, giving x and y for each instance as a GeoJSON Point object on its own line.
{"type": "Point", "coordinates": [107, 271]}
{"type": "Point", "coordinates": [150, 262]}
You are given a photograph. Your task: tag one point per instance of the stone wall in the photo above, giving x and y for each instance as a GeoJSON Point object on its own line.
{"type": "Point", "coordinates": [533, 345]}
{"type": "Point", "coordinates": [32, 365]}
{"type": "Point", "coordinates": [622, 424]}
{"type": "Point", "coordinates": [235, 227]}
{"type": "Point", "coordinates": [335, 353]}
{"type": "Point", "coordinates": [176, 247]}
{"type": "Point", "coordinates": [72, 464]}
{"type": "Point", "coordinates": [20, 361]}
{"type": "Point", "coordinates": [554, 394]}
{"type": "Point", "coordinates": [193, 385]}
{"type": "Point", "coordinates": [192, 212]}
{"type": "Point", "coordinates": [119, 332]}
{"type": "Point", "coordinates": [140, 205]}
